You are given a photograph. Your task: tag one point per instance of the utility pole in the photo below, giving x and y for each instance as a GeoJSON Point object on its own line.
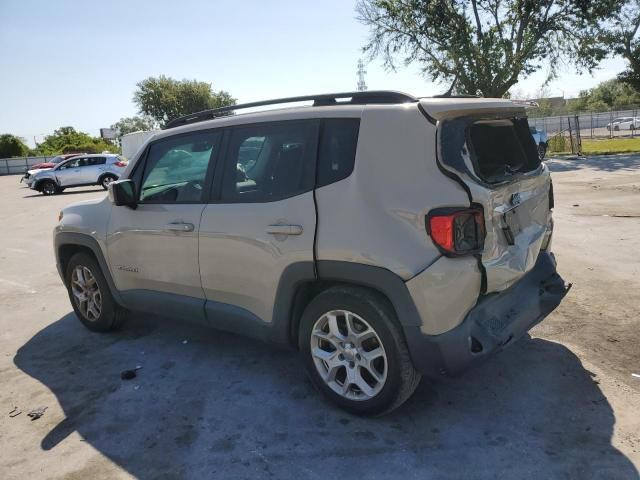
{"type": "Point", "coordinates": [362, 85]}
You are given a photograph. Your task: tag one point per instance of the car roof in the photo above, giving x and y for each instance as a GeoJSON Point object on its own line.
{"type": "Point", "coordinates": [335, 109]}
{"type": "Point", "coordinates": [97, 155]}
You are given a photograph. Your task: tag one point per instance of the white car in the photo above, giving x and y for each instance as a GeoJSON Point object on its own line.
{"type": "Point", "coordinates": [97, 169]}
{"type": "Point", "coordinates": [624, 123]}
{"type": "Point", "coordinates": [382, 235]}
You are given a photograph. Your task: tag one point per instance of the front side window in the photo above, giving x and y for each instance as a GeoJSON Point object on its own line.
{"type": "Point", "coordinates": [270, 162]}
{"type": "Point", "coordinates": [71, 164]}
{"type": "Point", "coordinates": [176, 168]}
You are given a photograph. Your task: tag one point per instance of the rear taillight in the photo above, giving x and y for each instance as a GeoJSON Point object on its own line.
{"type": "Point", "coordinates": [456, 231]}
{"type": "Point", "coordinates": [120, 164]}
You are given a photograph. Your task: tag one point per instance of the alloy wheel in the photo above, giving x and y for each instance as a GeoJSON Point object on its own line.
{"type": "Point", "coordinates": [106, 181]}
{"type": "Point", "coordinates": [49, 188]}
{"type": "Point", "coordinates": [86, 293]}
{"type": "Point", "coordinates": [349, 355]}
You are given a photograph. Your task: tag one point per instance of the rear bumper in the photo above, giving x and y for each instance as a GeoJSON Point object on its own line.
{"type": "Point", "coordinates": [496, 321]}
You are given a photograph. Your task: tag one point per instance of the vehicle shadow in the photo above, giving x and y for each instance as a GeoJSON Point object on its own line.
{"type": "Point", "coordinates": [68, 192]}
{"type": "Point", "coordinates": [207, 403]}
{"type": "Point", "coordinates": [606, 163]}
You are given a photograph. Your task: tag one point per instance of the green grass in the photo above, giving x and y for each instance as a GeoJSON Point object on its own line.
{"type": "Point", "coordinates": [606, 146]}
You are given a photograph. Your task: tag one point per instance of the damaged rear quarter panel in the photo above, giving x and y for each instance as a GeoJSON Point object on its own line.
{"type": "Point", "coordinates": [516, 210]}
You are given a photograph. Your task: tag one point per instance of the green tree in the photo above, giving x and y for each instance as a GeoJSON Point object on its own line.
{"type": "Point", "coordinates": [68, 140]}
{"type": "Point", "coordinates": [607, 95]}
{"type": "Point", "coordinates": [133, 124]}
{"type": "Point", "coordinates": [486, 46]}
{"type": "Point", "coordinates": [624, 38]}
{"type": "Point", "coordinates": [165, 99]}
{"type": "Point", "coordinates": [12, 146]}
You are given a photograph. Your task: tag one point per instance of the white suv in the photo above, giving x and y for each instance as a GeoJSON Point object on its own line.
{"type": "Point", "coordinates": [383, 236]}
{"type": "Point", "coordinates": [624, 123]}
{"type": "Point", "coordinates": [95, 169]}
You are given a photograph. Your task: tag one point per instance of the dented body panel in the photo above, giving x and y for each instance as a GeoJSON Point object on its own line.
{"type": "Point", "coordinates": [517, 215]}
{"type": "Point", "coordinates": [516, 207]}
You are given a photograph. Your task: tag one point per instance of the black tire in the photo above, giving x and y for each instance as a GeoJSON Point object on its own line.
{"type": "Point", "coordinates": [48, 187]}
{"type": "Point", "coordinates": [111, 314]}
{"type": "Point", "coordinates": [105, 180]}
{"type": "Point", "coordinates": [542, 151]}
{"type": "Point", "coordinates": [402, 378]}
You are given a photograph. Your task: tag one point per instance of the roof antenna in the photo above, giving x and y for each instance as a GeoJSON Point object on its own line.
{"type": "Point", "coordinates": [362, 85]}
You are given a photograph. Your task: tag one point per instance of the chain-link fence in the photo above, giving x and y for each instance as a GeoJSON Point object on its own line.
{"type": "Point", "coordinates": [14, 166]}
{"type": "Point", "coordinates": [624, 122]}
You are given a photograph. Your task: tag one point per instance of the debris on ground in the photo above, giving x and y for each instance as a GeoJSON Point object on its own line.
{"type": "Point", "coordinates": [130, 374]}
{"type": "Point", "coordinates": [576, 204]}
{"type": "Point", "coordinates": [36, 413]}
{"type": "Point", "coordinates": [184, 342]}
{"type": "Point", "coordinates": [15, 412]}
{"type": "Point", "coordinates": [637, 375]}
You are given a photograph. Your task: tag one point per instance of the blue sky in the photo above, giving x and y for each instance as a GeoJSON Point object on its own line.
{"type": "Point", "coordinates": [77, 62]}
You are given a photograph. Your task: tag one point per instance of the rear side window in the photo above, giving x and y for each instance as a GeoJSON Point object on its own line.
{"type": "Point", "coordinates": [501, 148]}
{"type": "Point", "coordinates": [266, 163]}
{"type": "Point", "coordinates": [337, 153]}
{"type": "Point", "coordinates": [92, 161]}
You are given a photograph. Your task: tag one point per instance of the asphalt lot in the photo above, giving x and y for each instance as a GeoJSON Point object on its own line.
{"type": "Point", "coordinates": [560, 404]}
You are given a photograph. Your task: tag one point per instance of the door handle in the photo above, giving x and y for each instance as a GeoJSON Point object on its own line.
{"type": "Point", "coordinates": [284, 229]}
{"type": "Point", "coordinates": [180, 227]}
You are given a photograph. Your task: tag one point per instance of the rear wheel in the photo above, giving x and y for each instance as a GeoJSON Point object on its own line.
{"type": "Point", "coordinates": [49, 187]}
{"type": "Point", "coordinates": [106, 180]}
{"type": "Point", "coordinates": [355, 352]}
{"type": "Point", "coordinates": [90, 295]}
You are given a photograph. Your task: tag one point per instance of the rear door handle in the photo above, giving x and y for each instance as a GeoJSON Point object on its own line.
{"type": "Point", "coordinates": [284, 229]}
{"type": "Point", "coordinates": [180, 227]}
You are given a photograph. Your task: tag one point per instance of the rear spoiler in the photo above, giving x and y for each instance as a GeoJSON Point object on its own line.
{"type": "Point", "coordinates": [526, 103]}
{"type": "Point", "coordinates": [450, 107]}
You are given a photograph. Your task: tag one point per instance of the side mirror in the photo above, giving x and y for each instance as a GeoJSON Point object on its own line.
{"type": "Point", "coordinates": [123, 192]}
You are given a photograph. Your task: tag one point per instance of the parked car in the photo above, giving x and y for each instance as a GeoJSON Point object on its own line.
{"type": "Point", "coordinates": [383, 236]}
{"type": "Point", "coordinates": [96, 169]}
{"type": "Point", "coordinates": [624, 123]}
{"type": "Point", "coordinates": [29, 172]}
{"type": "Point", "coordinates": [541, 140]}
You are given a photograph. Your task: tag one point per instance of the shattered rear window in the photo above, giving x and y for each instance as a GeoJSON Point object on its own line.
{"type": "Point", "coordinates": [501, 148]}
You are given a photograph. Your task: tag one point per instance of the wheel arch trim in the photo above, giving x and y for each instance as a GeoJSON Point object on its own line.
{"type": "Point", "coordinates": [66, 239]}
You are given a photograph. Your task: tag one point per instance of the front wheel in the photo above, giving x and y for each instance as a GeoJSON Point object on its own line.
{"type": "Point", "coordinates": [49, 187]}
{"type": "Point", "coordinates": [106, 180]}
{"type": "Point", "coordinates": [355, 352]}
{"type": "Point", "coordinates": [90, 295]}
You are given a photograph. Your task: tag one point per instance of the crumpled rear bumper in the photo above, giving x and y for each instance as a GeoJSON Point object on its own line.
{"type": "Point", "coordinates": [496, 321]}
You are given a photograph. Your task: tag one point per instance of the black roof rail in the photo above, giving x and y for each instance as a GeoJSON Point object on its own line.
{"type": "Point", "coordinates": [444, 95]}
{"type": "Point", "coordinates": [356, 98]}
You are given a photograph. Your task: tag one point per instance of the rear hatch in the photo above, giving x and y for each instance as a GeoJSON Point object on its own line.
{"type": "Point", "coordinates": [486, 145]}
